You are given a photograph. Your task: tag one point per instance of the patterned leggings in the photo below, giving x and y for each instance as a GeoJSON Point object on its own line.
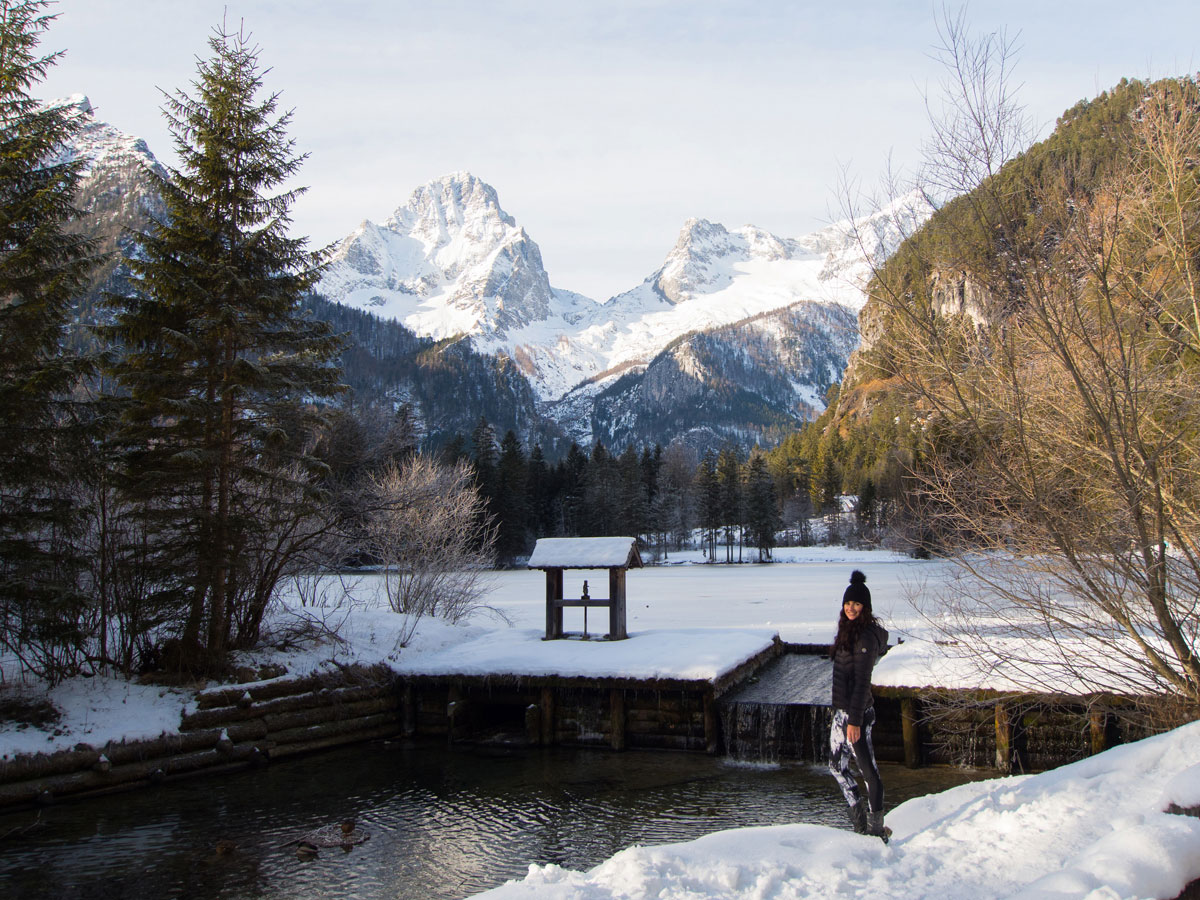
{"type": "Point", "coordinates": [842, 752]}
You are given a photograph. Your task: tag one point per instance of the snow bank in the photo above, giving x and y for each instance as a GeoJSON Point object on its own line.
{"type": "Point", "coordinates": [1094, 829]}
{"type": "Point", "coordinates": [97, 710]}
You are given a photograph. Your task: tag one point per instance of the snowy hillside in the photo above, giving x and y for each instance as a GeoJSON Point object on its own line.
{"type": "Point", "coordinates": [750, 382]}
{"type": "Point", "coordinates": [451, 261]}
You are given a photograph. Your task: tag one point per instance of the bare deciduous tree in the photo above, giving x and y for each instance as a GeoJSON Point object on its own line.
{"type": "Point", "coordinates": [426, 524]}
{"type": "Point", "coordinates": [1046, 328]}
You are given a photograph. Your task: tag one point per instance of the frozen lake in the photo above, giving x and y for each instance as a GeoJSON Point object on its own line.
{"type": "Point", "coordinates": [686, 619]}
{"type": "Point", "coordinates": [799, 596]}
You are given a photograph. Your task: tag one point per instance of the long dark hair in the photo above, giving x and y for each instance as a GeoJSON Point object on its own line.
{"type": "Point", "coordinates": [849, 631]}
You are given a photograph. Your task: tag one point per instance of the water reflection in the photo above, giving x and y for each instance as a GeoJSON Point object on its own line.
{"type": "Point", "coordinates": [443, 824]}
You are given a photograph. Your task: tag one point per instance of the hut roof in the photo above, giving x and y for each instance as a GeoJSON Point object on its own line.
{"type": "Point", "coordinates": [586, 553]}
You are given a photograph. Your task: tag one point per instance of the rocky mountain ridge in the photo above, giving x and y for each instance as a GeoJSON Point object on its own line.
{"type": "Point", "coordinates": [385, 364]}
{"type": "Point", "coordinates": [750, 382]}
{"type": "Point", "coordinates": [712, 278]}
{"type": "Point", "coordinates": [116, 196]}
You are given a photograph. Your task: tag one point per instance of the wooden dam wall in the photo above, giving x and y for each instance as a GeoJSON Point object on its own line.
{"type": "Point", "coordinates": [1007, 732]}
{"type": "Point", "coordinates": [246, 725]}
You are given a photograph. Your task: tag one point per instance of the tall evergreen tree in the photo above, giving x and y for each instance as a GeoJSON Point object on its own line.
{"type": "Point", "coordinates": [729, 483]}
{"type": "Point", "coordinates": [218, 358]}
{"type": "Point", "coordinates": [540, 488]}
{"type": "Point", "coordinates": [675, 500]}
{"type": "Point", "coordinates": [651, 466]}
{"type": "Point", "coordinates": [632, 503]}
{"type": "Point", "coordinates": [652, 525]}
{"type": "Point", "coordinates": [42, 269]}
{"type": "Point", "coordinates": [867, 510]}
{"type": "Point", "coordinates": [454, 451]}
{"type": "Point", "coordinates": [827, 482]}
{"type": "Point", "coordinates": [484, 458]}
{"type": "Point", "coordinates": [403, 437]}
{"type": "Point", "coordinates": [601, 489]}
{"type": "Point", "coordinates": [762, 510]}
{"type": "Point", "coordinates": [512, 501]}
{"type": "Point", "coordinates": [572, 478]}
{"type": "Point", "coordinates": [709, 500]}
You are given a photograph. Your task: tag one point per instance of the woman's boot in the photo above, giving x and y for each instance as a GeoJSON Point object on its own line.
{"type": "Point", "coordinates": [876, 827]}
{"type": "Point", "coordinates": [858, 817]}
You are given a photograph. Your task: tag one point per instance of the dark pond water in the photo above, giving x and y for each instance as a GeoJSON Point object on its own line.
{"type": "Point", "coordinates": [443, 824]}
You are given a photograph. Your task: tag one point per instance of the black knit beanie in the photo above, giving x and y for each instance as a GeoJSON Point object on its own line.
{"type": "Point", "coordinates": [858, 590]}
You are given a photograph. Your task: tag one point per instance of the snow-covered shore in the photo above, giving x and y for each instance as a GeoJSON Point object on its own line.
{"type": "Point", "coordinates": [1095, 829]}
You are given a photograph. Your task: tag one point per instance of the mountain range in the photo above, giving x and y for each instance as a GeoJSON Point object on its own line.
{"type": "Point", "coordinates": [452, 264]}
{"type": "Point", "coordinates": [737, 336]}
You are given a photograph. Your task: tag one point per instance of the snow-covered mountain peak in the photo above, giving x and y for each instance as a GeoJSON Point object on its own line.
{"type": "Point", "coordinates": [449, 261]}
{"type": "Point", "coordinates": [698, 232]}
{"type": "Point", "coordinates": [706, 256]}
{"type": "Point", "coordinates": [854, 248]}
{"type": "Point", "coordinates": [99, 145]}
{"type": "Point", "coordinates": [79, 101]}
{"type": "Point", "coordinates": [762, 244]}
{"type": "Point", "coordinates": [455, 208]}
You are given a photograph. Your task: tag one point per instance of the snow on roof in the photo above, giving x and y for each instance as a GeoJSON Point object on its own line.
{"type": "Point", "coordinates": [585, 553]}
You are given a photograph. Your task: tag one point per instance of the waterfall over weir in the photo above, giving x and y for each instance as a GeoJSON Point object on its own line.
{"type": "Point", "coordinates": [781, 713]}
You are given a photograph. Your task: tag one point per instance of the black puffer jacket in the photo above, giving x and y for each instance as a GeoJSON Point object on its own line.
{"type": "Point", "coordinates": [852, 673]}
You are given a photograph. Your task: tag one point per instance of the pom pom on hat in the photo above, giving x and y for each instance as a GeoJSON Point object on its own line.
{"type": "Point", "coordinates": [858, 591]}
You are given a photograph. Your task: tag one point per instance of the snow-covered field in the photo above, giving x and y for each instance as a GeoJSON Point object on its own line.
{"type": "Point", "coordinates": [1095, 829]}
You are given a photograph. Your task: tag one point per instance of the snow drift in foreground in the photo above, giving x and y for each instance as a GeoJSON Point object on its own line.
{"type": "Point", "coordinates": [1095, 829]}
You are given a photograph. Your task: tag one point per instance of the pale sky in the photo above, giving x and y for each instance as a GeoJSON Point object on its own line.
{"type": "Point", "coordinates": [602, 125]}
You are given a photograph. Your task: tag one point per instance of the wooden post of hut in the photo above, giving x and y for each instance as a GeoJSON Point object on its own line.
{"type": "Point", "coordinates": [555, 555]}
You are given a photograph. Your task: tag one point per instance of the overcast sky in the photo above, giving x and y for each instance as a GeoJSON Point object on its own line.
{"type": "Point", "coordinates": [602, 125]}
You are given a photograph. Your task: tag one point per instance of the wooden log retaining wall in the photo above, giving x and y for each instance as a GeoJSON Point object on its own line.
{"type": "Point", "coordinates": [993, 729]}
{"type": "Point", "coordinates": [574, 712]}
{"type": "Point", "coordinates": [231, 728]}
{"type": "Point", "coordinates": [244, 725]}
{"type": "Point", "coordinates": [665, 713]}
{"type": "Point", "coordinates": [1007, 732]}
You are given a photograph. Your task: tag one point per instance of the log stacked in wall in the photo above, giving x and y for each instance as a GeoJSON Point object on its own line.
{"type": "Point", "coordinates": [579, 712]}
{"type": "Point", "coordinates": [1006, 732]}
{"type": "Point", "coordinates": [231, 728]}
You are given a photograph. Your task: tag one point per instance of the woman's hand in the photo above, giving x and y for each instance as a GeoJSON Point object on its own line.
{"type": "Point", "coordinates": [853, 733]}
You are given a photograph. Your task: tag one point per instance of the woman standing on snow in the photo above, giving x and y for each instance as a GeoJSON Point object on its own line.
{"type": "Point", "coordinates": [860, 641]}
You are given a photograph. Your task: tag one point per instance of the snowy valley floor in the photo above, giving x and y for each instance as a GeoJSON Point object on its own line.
{"type": "Point", "coordinates": [1095, 829]}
